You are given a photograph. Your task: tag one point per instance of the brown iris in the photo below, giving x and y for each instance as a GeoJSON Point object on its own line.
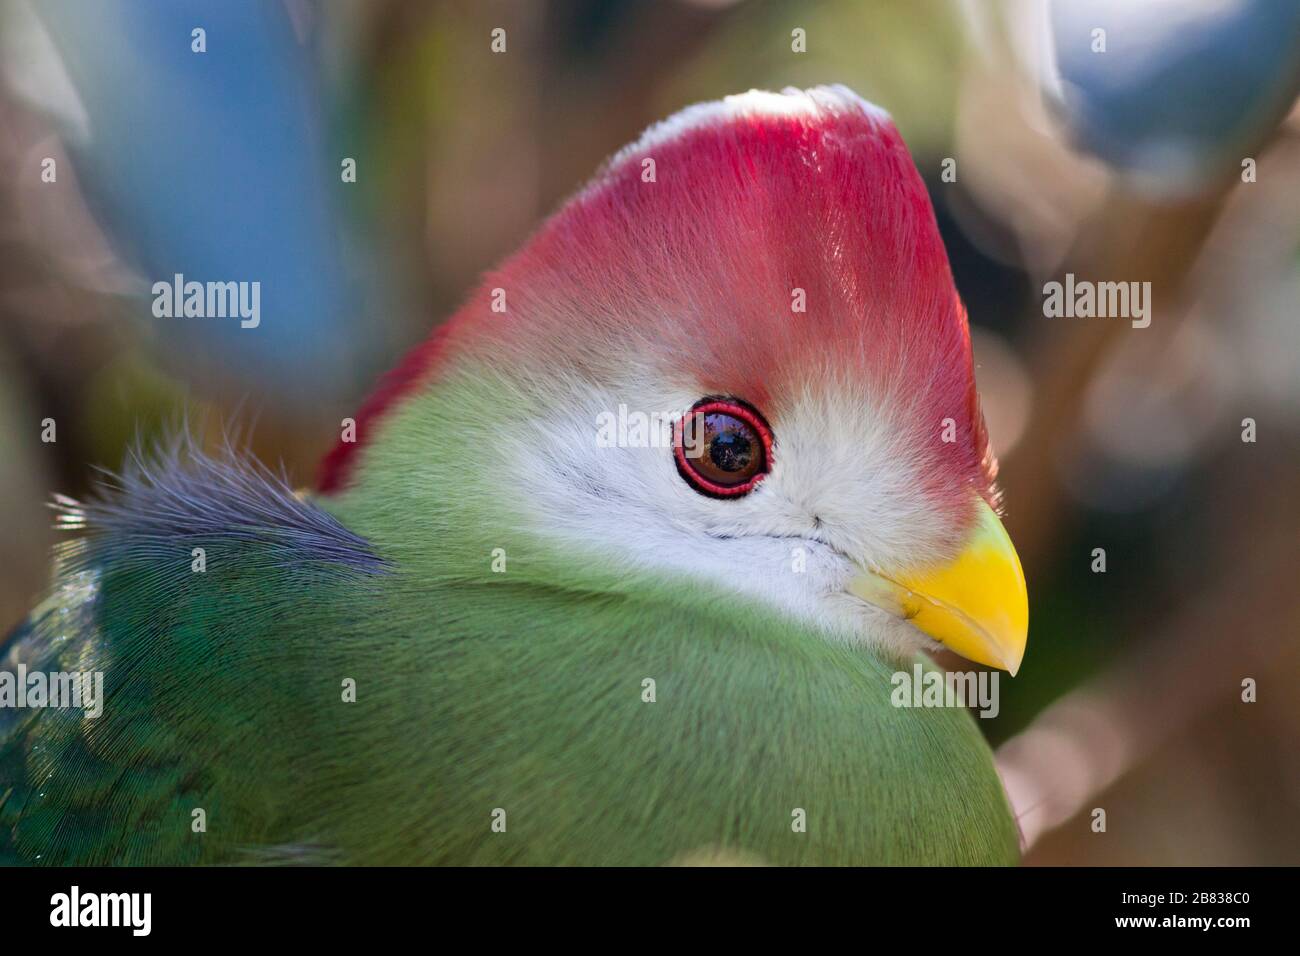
{"type": "Point", "coordinates": [723, 447]}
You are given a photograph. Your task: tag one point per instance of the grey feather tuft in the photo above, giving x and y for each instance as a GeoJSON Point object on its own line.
{"type": "Point", "coordinates": [179, 494]}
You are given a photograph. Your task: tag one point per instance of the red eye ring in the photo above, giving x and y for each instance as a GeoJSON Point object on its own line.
{"type": "Point", "coordinates": [756, 427]}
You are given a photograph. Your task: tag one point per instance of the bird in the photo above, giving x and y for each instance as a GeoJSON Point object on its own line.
{"type": "Point", "coordinates": [618, 568]}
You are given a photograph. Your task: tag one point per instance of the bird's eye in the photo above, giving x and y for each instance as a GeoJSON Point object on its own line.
{"type": "Point", "coordinates": [723, 447]}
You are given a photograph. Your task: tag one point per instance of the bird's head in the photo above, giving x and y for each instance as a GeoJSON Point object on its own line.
{"type": "Point", "coordinates": [737, 357]}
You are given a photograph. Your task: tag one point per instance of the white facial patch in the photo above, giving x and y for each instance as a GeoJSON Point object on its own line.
{"type": "Point", "coordinates": [844, 490]}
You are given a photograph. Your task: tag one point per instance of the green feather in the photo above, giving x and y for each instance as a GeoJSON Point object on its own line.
{"type": "Point", "coordinates": [476, 692]}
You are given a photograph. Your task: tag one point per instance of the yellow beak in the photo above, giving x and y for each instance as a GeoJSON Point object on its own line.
{"type": "Point", "coordinates": [976, 606]}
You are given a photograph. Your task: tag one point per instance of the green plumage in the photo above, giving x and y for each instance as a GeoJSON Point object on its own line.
{"type": "Point", "coordinates": [475, 690]}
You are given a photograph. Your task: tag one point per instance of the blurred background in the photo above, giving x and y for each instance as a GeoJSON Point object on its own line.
{"type": "Point", "coordinates": [1164, 148]}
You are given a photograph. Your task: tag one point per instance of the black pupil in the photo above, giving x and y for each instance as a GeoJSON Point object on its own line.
{"type": "Point", "coordinates": [731, 450]}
